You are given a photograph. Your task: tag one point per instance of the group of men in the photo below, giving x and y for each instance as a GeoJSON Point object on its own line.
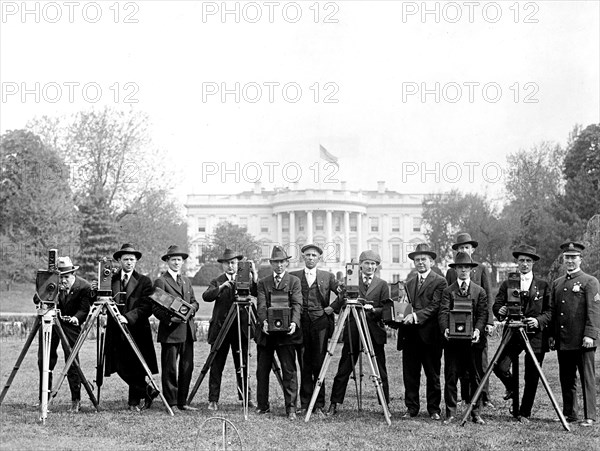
{"type": "Point", "coordinates": [564, 315]}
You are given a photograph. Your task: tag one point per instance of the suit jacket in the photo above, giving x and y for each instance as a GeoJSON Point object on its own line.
{"type": "Point", "coordinates": [137, 309]}
{"type": "Point", "coordinates": [479, 275]}
{"type": "Point", "coordinates": [377, 293]}
{"type": "Point", "coordinates": [479, 302]}
{"type": "Point", "coordinates": [538, 307]}
{"type": "Point", "coordinates": [266, 286]}
{"type": "Point", "coordinates": [76, 302]}
{"type": "Point", "coordinates": [426, 304]}
{"type": "Point", "coordinates": [223, 301]}
{"type": "Point", "coordinates": [575, 311]}
{"type": "Point", "coordinates": [169, 332]}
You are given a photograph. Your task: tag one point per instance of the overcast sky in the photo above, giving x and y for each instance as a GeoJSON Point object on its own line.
{"type": "Point", "coordinates": [386, 89]}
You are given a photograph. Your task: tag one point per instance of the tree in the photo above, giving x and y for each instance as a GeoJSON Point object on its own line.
{"type": "Point", "coordinates": [228, 235]}
{"type": "Point", "coordinates": [37, 211]}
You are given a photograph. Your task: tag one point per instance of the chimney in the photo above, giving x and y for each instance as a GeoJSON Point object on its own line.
{"type": "Point", "coordinates": [343, 185]}
{"type": "Point", "coordinates": [381, 187]}
{"type": "Point", "coordinates": [257, 188]}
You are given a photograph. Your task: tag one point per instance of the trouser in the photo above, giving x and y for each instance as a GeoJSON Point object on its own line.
{"type": "Point", "coordinates": [287, 360]}
{"type": "Point", "coordinates": [177, 364]}
{"type": "Point", "coordinates": [460, 359]}
{"type": "Point", "coordinates": [315, 337]}
{"type": "Point", "coordinates": [464, 380]}
{"type": "Point", "coordinates": [568, 363]}
{"type": "Point", "coordinates": [216, 369]}
{"type": "Point", "coordinates": [416, 356]}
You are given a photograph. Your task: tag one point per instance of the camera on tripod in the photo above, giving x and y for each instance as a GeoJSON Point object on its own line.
{"type": "Point", "coordinates": [105, 273]}
{"type": "Point", "coordinates": [46, 282]}
{"type": "Point", "coordinates": [513, 297]}
{"type": "Point", "coordinates": [351, 283]}
{"type": "Point", "coordinates": [243, 281]}
{"type": "Point", "coordinates": [279, 312]}
{"type": "Point", "coordinates": [461, 317]}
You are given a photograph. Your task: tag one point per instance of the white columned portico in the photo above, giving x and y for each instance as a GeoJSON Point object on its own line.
{"type": "Point", "coordinates": [346, 236]}
{"type": "Point", "coordinates": [359, 234]}
{"type": "Point", "coordinates": [292, 245]}
{"type": "Point", "coordinates": [329, 228]}
{"type": "Point", "coordinates": [279, 229]}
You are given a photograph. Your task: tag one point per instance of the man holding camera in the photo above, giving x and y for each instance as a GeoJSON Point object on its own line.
{"type": "Point", "coordinates": [74, 301]}
{"type": "Point", "coordinates": [286, 287]}
{"type": "Point", "coordinates": [373, 291]}
{"type": "Point", "coordinates": [575, 305]}
{"type": "Point", "coordinates": [176, 336]}
{"type": "Point", "coordinates": [464, 243]}
{"type": "Point", "coordinates": [317, 323]}
{"type": "Point", "coordinates": [534, 295]}
{"type": "Point", "coordinates": [422, 346]}
{"type": "Point", "coordinates": [134, 290]}
{"type": "Point", "coordinates": [222, 291]}
{"type": "Point", "coordinates": [463, 355]}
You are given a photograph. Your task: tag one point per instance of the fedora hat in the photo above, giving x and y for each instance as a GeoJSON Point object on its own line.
{"type": "Point", "coordinates": [422, 248]}
{"type": "Point", "coordinates": [127, 249]}
{"type": "Point", "coordinates": [464, 238]}
{"type": "Point", "coordinates": [311, 246]}
{"type": "Point", "coordinates": [65, 265]}
{"type": "Point", "coordinates": [278, 254]}
{"type": "Point", "coordinates": [572, 248]}
{"type": "Point", "coordinates": [463, 259]}
{"type": "Point", "coordinates": [228, 254]}
{"type": "Point", "coordinates": [369, 255]}
{"type": "Point", "coordinates": [174, 251]}
{"type": "Point", "coordinates": [525, 249]}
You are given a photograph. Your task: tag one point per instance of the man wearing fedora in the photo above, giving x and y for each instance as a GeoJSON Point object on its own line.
{"type": "Point", "coordinates": [74, 299]}
{"type": "Point", "coordinates": [463, 356]}
{"type": "Point", "coordinates": [575, 306]}
{"type": "Point", "coordinates": [535, 305]}
{"type": "Point", "coordinates": [175, 336]}
{"type": "Point", "coordinates": [317, 323]}
{"type": "Point", "coordinates": [222, 292]}
{"type": "Point", "coordinates": [479, 275]}
{"type": "Point", "coordinates": [135, 308]}
{"type": "Point", "coordinates": [374, 291]}
{"type": "Point", "coordinates": [284, 343]}
{"type": "Point", "coordinates": [422, 342]}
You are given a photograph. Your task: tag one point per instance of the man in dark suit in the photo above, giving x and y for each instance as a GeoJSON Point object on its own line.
{"type": "Point", "coordinates": [175, 336]}
{"type": "Point", "coordinates": [74, 301]}
{"type": "Point", "coordinates": [222, 292]}
{"type": "Point", "coordinates": [422, 342]}
{"type": "Point", "coordinates": [462, 356]}
{"type": "Point", "coordinates": [535, 305]}
{"type": "Point", "coordinates": [575, 306]}
{"type": "Point", "coordinates": [135, 308]}
{"type": "Point", "coordinates": [374, 291]}
{"type": "Point", "coordinates": [284, 343]}
{"type": "Point", "coordinates": [317, 323]}
{"type": "Point", "coordinates": [479, 275]}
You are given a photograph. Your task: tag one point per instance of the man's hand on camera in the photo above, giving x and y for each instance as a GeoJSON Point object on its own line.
{"type": "Point", "coordinates": [476, 334]}
{"type": "Point", "coordinates": [368, 307]}
{"type": "Point", "coordinates": [265, 327]}
{"type": "Point", "coordinates": [70, 320]}
{"type": "Point", "coordinates": [503, 310]}
{"type": "Point", "coordinates": [551, 343]}
{"type": "Point", "coordinates": [409, 319]}
{"type": "Point", "coordinates": [292, 329]}
{"type": "Point", "coordinates": [328, 310]}
{"type": "Point", "coordinates": [588, 342]}
{"type": "Point", "coordinates": [94, 285]}
{"type": "Point", "coordinates": [446, 333]}
{"type": "Point", "coordinates": [228, 283]}
{"type": "Point", "coordinates": [254, 271]}
{"type": "Point", "coordinates": [532, 323]}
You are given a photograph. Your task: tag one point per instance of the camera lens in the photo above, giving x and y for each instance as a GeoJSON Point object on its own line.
{"type": "Point", "coordinates": [106, 272]}
{"type": "Point", "coordinates": [350, 272]}
{"type": "Point", "coordinates": [515, 293]}
{"type": "Point", "coordinates": [278, 323]}
{"type": "Point", "coordinates": [51, 287]}
{"type": "Point", "coordinates": [183, 310]}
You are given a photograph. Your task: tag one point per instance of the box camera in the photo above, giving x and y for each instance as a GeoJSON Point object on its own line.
{"type": "Point", "coordinates": [278, 313]}
{"type": "Point", "coordinates": [243, 281]}
{"type": "Point", "coordinates": [352, 280]}
{"type": "Point", "coordinates": [513, 297]}
{"type": "Point", "coordinates": [398, 306]}
{"type": "Point", "coordinates": [461, 317]}
{"type": "Point", "coordinates": [47, 281]}
{"type": "Point", "coordinates": [173, 305]}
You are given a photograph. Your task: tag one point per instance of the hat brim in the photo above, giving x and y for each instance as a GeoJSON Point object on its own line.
{"type": "Point", "coordinates": [279, 259]}
{"type": "Point", "coordinates": [117, 255]}
{"type": "Point", "coordinates": [68, 271]}
{"type": "Point", "coordinates": [472, 243]}
{"type": "Point", "coordinates": [412, 255]}
{"type": "Point", "coordinates": [471, 265]}
{"type": "Point", "coordinates": [534, 257]}
{"type": "Point", "coordinates": [183, 255]}
{"type": "Point", "coordinates": [223, 260]}
{"type": "Point", "coordinates": [572, 252]}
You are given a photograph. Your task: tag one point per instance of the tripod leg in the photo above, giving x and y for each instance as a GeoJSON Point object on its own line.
{"type": "Point", "coordinates": [213, 351]}
{"type": "Point", "coordinates": [32, 334]}
{"type": "Point", "coordinates": [46, 334]}
{"type": "Point", "coordinates": [365, 338]}
{"type": "Point", "coordinates": [515, 383]}
{"type": "Point", "coordinates": [327, 360]}
{"type": "Point", "coordinates": [84, 381]}
{"type": "Point", "coordinates": [505, 339]}
{"type": "Point", "coordinates": [114, 312]}
{"type": "Point", "coordinates": [100, 353]}
{"type": "Point", "coordinates": [246, 378]}
{"type": "Point", "coordinates": [242, 365]}
{"type": "Point", "coordinates": [351, 346]}
{"type": "Point", "coordinates": [529, 350]}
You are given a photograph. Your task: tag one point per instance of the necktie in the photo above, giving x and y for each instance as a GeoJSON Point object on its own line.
{"type": "Point", "coordinates": [463, 288]}
{"type": "Point", "coordinates": [421, 280]}
{"type": "Point", "coordinates": [277, 280]}
{"type": "Point", "coordinates": [179, 281]}
{"type": "Point", "coordinates": [124, 282]}
{"type": "Point", "coordinates": [367, 282]}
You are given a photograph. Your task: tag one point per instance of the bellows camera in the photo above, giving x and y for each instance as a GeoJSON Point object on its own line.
{"type": "Point", "coordinates": [243, 281]}
{"type": "Point", "coordinates": [173, 305]}
{"type": "Point", "coordinates": [513, 297]}
{"type": "Point", "coordinates": [398, 306]}
{"type": "Point", "coordinates": [461, 317]}
{"type": "Point", "coordinates": [278, 313]}
{"type": "Point", "coordinates": [352, 280]}
{"type": "Point", "coordinates": [47, 280]}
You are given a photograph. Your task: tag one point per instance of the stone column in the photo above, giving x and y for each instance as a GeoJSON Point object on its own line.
{"type": "Point", "coordinates": [328, 228]}
{"type": "Point", "coordinates": [346, 256]}
{"type": "Point", "coordinates": [359, 233]}
{"type": "Point", "coordinates": [292, 245]}
{"type": "Point", "coordinates": [279, 229]}
{"type": "Point", "coordinates": [309, 227]}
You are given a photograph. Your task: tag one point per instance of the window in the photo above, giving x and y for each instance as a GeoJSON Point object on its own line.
{"type": "Point", "coordinates": [285, 225]}
{"type": "Point", "coordinates": [319, 222]}
{"type": "Point", "coordinates": [337, 220]}
{"type": "Point", "coordinates": [244, 223]}
{"type": "Point", "coordinates": [395, 223]}
{"type": "Point", "coordinates": [395, 278]}
{"type": "Point", "coordinates": [353, 250]}
{"type": "Point", "coordinates": [301, 223]}
{"type": "Point", "coordinates": [374, 224]}
{"type": "Point", "coordinates": [416, 223]}
{"type": "Point", "coordinates": [395, 253]}
{"type": "Point", "coordinates": [202, 225]}
{"type": "Point", "coordinates": [353, 224]}
{"type": "Point", "coordinates": [338, 252]}
{"type": "Point", "coordinates": [264, 225]}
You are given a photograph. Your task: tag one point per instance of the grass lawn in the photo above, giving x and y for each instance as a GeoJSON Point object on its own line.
{"type": "Point", "coordinates": [114, 427]}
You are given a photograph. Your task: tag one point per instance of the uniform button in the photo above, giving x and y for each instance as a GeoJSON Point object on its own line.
{"type": "Point", "coordinates": [562, 327]}
{"type": "Point", "coordinates": [561, 314]}
{"type": "Point", "coordinates": [565, 289]}
{"type": "Point", "coordinates": [563, 302]}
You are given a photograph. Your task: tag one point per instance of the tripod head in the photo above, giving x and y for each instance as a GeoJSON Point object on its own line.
{"type": "Point", "coordinates": [46, 285]}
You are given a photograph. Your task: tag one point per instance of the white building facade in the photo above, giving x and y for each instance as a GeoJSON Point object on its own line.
{"type": "Point", "coordinates": [342, 222]}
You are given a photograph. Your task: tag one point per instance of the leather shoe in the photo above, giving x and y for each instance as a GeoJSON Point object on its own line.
{"type": "Point", "coordinates": [319, 412]}
{"type": "Point", "coordinates": [523, 420]}
{"type": "Point", "coordinates": [188, 408]}
{"type": "Point", "coordinates": [477, 420]}
{"type": "Point", "coordinates": [291, 416]}
{"type": "Point", "coordinates": [262, 411]}
{"type": "Point", "coordinates": [133, 408]}
{"type": "Point", "coordinates": [250, 404]}
{"type": "Point", "coordinates": [435, 417]}
{"type": "Point", "coordinates": [587, 423]}
{"type": "Point", "coordinates": [302, 411]}
{"type": "Point", "coordinates": [213, 405]}
{"type": "Point", "coordinates": [75, 406]}
{"type": "Point", "coordinates": [409, 415]}
{"type": "Point", "coordinates": [450, 419]}
{"type": "Point", "coordinates": [489, 404]}
{"type": "Point", "coordinates": [332, 409]}
{"type": "Point", "coordinates": [152, 393]}
{"type": "Point", "coordinates": [508, 395]}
